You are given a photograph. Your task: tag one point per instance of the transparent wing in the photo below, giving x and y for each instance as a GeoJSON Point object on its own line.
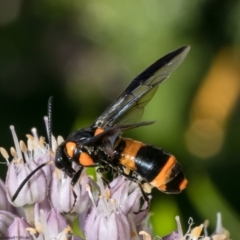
{"type": "Point", "coordinates": [129, 106]}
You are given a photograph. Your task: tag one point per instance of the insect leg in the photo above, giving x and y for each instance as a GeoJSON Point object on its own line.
{"type": "Point", "coordinates": [128, 175]}
{"type": "Point", "coordinates": [136, 180]}
{"type": "Point", "coordinates": [74, 180]}
{"type": "Point", "coordinates": [103, 169]}
{"type": "Point", "coordinates": [144, 195]}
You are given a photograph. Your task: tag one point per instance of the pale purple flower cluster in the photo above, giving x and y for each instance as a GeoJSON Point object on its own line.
{"type": "Point", "coordinates": [45, 207]}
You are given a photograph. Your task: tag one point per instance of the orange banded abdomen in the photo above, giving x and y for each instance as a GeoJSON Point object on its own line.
{"type": "Point", "coordinates": [129, 153]}
{"type": "Point", "coordinates": [153, 165]}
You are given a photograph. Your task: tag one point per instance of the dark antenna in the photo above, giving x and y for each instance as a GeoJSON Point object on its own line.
{"type": "Point", "coordinates": [50, 100]}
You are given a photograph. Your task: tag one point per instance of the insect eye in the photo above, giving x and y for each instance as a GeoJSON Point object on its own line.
{"type": "Point", "coordinates": [60, 158]}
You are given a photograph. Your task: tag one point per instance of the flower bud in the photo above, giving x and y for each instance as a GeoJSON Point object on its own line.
{"type": "Point", "coordinates": [18, 229]}
{"type": "Point", "coordinates": [62, 196]}
{"type": "Point", "coordinates": [35, 190]}
{"type": "Point", "coordinates": [4, 203]}
{"type": "Point", "coordinates": [6, 218]}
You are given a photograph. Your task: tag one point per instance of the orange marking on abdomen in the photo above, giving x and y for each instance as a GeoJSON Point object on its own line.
{"type": "Point", "coordinates": [85, 160]}
{"type": "Point", "coordinates": [129, 153]}
{"type": "Point", "coordinates": [163, 177]}
{"type": "Point", "coordinates": [183, 184]}
{"type": "Point", "coordinates": [98, 131]}
{"type": "Point", "coordinates": [70, 147]}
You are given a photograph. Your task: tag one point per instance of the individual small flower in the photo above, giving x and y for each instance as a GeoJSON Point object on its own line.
{"type": "Point", "coordinates": [18, 228]}
{"type": "Point", "coordinates": [117, 213]}
{"type": "Point", "coordinates": [62, 196]}
{"type": "Point", "coordinates": [175, 235]}
{"type": "Point", "coordinates": [49, 226]}
{"type": "Point", "coordinates": [6, 219]}
{"type": "Point", "coordinates": [4, 203]}
{"type": "Point", "coordinates": [146, 227]}
{"type": "Point", "coordinates": [43, 206]}
{"type": "Point", "coordinates": [23, 163]}
{"type": "Point", "coordinates": [220, 230]}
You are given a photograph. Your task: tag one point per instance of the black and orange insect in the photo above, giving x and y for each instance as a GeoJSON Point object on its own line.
{"type": "Point", "coordinates": [101, 144]}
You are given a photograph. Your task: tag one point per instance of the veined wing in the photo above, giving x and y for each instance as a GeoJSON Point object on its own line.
{"type": "Point", "coordinates": [129, 106]}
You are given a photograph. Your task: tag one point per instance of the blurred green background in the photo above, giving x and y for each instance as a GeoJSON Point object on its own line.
{"type": "Point", "coordinates": [84, 53]}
